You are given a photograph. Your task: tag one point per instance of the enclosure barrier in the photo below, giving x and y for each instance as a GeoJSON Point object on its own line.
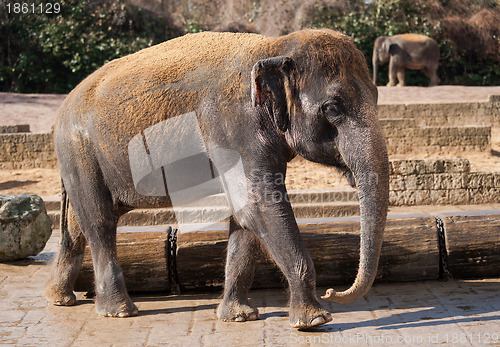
{"type": "Point", "coordinates": [415, 248]}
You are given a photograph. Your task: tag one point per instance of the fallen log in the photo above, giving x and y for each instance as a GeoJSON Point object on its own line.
{"type": "Point", "coordinates": [142, 259]}
{"type": "Point", "coordinates": [473, 244]}
{"type": "Point", "coordinates": [409, 253]}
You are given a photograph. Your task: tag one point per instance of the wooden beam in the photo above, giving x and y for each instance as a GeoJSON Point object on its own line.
{"type": "Point", "coordinates": [473, 244]}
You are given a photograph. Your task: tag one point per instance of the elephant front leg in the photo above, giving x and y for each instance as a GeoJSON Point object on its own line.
{"type": "Point", "coordinates": [296, 264]}
{"type": "Point", "coordinates": [276, 227]}
{"type": "Point", "coordinates": [240, 267]}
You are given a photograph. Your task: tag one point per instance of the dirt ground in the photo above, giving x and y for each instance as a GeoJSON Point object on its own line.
{"type": "Point", "coordinates": [39, 111]}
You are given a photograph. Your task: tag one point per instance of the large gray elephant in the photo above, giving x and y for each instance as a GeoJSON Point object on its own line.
{"type": "Point", "coordinates": [406, 51]}
{"type": "Point", "coordinates": [267, 99]}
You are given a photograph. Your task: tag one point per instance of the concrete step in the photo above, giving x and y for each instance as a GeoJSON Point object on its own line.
{"type": "Point", "coordinates": [213, 214]}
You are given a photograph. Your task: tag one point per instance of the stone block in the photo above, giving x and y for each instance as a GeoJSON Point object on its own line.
{"type": "Point", "coordinates": [138, 217]}
{"type": "Point", "coordinates": [312, 210]}
{"type": "Point", "coordinates": [496, 179]}
{"type": "Point", "coordinates": [397, 182]}
{"type": "Point", "coordinates": [398, 123]}
{"type": "Point", "coordinates": [395, 198]}
{"type": "Point", "coordinates": [480, 180]}
{"type": "Point", "coordinates": [418, 182]}
{"type": "Point", "coordinates": [423, 197]}
{"type": "Point", "coordinates": [449, 181]}
{"type": "Point", "coordinates": [439, 197]}
{"type": "Point", "coordinates": [407, 167]}
{"type": "Point", "coordinates": [483, 195]}
{"type": "Point", "coordinates": [340, 209]}
{"type": "Point", "coordinates": [402, 197]}
{"type": "Point", "coordinates": [25, 226]}
{"type": "Point", "coordinates": [215, 214]}
{"type": "Point", "coordinates": [458, 197]}
{"type": "Point", "coordinates": [457, 165]}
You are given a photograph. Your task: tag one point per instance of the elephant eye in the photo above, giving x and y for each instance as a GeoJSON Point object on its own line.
{"type": "Point", "coordinates": [329, 107]}
{"type": "Point", "coordinates": [332, 107]}
{"type": "Point", "coordinates": [333, 110]}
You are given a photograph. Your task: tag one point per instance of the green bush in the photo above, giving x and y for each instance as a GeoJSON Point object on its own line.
{"type": "Point", "coordinates": [469, 50]}
{"type": "Point", "coordinates": [51, 53]}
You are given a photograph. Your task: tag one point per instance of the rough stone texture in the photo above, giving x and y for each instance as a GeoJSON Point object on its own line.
{"type": "Point", "coordinates": [25, 150]}
{"type": "Point", "coordinates": [451, 114]}
{"type": "Point", "coordinates": [20, 128]}
{"type": "Point", "coordinates": [441, 181]}
{"type": "Point", "coordinates": [25, 226]}
{"type": "Point", "coordinates": [403, 135]}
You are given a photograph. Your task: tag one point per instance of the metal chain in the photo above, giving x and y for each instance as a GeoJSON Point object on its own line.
{"type": "Point", "coordinates": [444, 273]}
{"type": "Point", "coordinates": [173, 275]}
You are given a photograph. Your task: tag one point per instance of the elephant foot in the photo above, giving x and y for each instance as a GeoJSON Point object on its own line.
{"type": "Point", "coordinates": [308, 316]}
{"type": "Point", "coordinates": [56, 296]}
{"type": "Point", "coordinates": [237, 312]}
{"type": "Point", "coordinates": [121, 309]}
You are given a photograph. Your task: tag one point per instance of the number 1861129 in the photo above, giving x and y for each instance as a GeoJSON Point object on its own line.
{"type": "Point", "coordinates": [25, 8]}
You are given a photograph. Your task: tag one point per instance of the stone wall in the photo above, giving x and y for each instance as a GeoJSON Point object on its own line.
{"type": "Point", "coordinates": [26, 151]}
{"type": "Point", "coordinates": [441, 182]}
{"type": "Point", "coordinates": [21, 128]}
{"type": "Point", "coordinates": [403, 135]}
{"type": "Point", "coordinates": [452, 114]}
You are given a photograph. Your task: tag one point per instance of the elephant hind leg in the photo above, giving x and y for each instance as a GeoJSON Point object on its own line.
{"type": "Point", "coordinates": [67, 264]}
{"type": "Point", "coordinates": [431, 73]}
{"type": "Point", "coordinates": [240, 268]}
{"type": "Point", "coordinates": [98, 220]}
{"type": "Point", "coordinates": [97, 216]}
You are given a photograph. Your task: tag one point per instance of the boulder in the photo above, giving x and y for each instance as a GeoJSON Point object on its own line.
{"type": "Point", "coordinates": [25, 226]}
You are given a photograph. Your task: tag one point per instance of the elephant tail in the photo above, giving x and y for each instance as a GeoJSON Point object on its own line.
{"type": "Point", "coordinates": [63, 223]}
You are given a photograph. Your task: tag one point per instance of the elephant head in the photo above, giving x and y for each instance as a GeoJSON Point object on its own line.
{"type": "Point", "coordinates": [323, 100]}
{"type": "Point", "coordinates": [381, 54]}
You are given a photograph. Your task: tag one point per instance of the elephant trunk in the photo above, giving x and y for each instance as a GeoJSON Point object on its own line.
{"type": "Point", "coordinates": [367, 159]}
{"type": "Point", "coordinates": [375, 67]}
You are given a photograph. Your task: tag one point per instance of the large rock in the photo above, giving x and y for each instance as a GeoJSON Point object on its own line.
{"type": "Point", "coordinates": [25, 226]}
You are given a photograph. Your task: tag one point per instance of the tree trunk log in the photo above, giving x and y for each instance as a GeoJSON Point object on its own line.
{"type": "Point", "coordinates": [142, 259]}
{"type": "Point", "coordinates": [410, 252]}
{"type": "Point", "coordinates": [473, 244]}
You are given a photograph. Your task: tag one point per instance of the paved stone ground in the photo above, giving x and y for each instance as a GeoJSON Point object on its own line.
{"type": "Point", "coordinates": [461, 313]}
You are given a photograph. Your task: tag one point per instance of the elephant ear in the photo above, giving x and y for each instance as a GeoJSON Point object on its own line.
{"type": "Point", "coordinates": [394, 49]}
{"type": "Point", "coordinates": [271, 88]}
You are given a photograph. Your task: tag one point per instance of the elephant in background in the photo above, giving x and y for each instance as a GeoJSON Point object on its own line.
{"type": "Point", "coordinates": [406, 51]}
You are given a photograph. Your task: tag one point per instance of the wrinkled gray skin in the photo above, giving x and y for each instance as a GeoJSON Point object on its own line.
{"type": "Point", "coordinates": [308, 93]}
{"type": "Point", "coordinates": [406, 51]}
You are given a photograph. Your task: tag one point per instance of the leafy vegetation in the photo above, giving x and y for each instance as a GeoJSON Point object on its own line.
{"type": "Point", "coordinates": [51, 53]}
{"type": "Point", "coordinates": [469, 46]}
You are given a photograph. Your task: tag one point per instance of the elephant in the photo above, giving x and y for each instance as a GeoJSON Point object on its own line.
{"type": "Point", "coordinates": [268, 99]}
{"type": "Point", "coordinates": [406, 51]}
